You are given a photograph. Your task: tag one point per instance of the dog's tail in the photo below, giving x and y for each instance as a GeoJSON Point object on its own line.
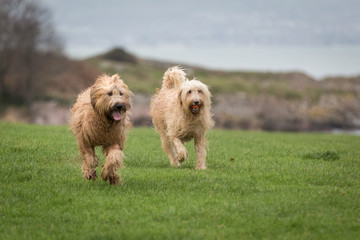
{"type": "Point", "coordinates": [173, 78]}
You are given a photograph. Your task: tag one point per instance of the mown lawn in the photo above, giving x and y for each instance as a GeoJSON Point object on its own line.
{"type": "Point", "coordinates": [258, 186]}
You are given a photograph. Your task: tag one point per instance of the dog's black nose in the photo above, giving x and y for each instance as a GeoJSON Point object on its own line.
{"type": "Point", "coordinates": [119, 106]}
{"type": "Point", "coordinates": [196, 102]}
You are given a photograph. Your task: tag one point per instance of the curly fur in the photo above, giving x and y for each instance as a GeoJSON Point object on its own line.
{"type": "Point", "coordinates": [180, 111]}
{"type": "Point", "coordinates": [100, 117]}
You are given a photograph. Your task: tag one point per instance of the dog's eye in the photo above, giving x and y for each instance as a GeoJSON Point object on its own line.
{"type": "Point", "coordinates": [121, 93]}
{"type": "Point", "coordinates": [110, 94]}
{"type": "Point", "coordinates": [189, 91]}
{"type": "Point", "coordinates": [199, 91]}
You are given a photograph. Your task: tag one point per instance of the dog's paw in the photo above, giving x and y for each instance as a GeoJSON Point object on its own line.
{"type": "Point", "coordinates": [182, 156]}
{"type": "Point", "coordinates": [175, 163]}
{"type": "Point", "coordinates": [115, 180]}
{"type": "Point", "coordinates": [200, 167]}
{"type": "Point", "coordinates": [90, 175]}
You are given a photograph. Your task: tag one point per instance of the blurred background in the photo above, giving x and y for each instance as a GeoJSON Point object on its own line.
{"type": "Point", "coordinates": [274, 65]}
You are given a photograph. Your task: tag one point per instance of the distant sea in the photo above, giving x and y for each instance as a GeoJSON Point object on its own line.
{"type": "Point", "coordinates": [316, 61]}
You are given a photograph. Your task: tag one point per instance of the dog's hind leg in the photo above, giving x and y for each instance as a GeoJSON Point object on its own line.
{"type": "Point", "coordinates": [200, 147]}
{"type": "Point", "coordinates": [169, 150]}
{"type": "Point", "coordinates": [113, 161]}
{"type": "Point", "coordinates": [90, 161]}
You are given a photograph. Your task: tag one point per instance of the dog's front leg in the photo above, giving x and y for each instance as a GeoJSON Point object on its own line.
{"type": "Point", "coordinates": [169, 150]}
{"type": "Point", "coordinates": [90, 161]}
{"type": "Point", "coordinates": [200, 147]}
{"type": "Point", "coordinates": [181, 153]}
{"type": "Point", "coordinates": [113, 161]}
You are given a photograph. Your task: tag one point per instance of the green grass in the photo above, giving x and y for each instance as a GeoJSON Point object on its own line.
{"type": "Point", "coordinates": [258, 186]}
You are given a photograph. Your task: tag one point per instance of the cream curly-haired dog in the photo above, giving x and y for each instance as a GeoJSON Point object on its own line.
{"type": "Point", "coordinates": [180, 111]}
{"type": "Point", "coordinates": [100, 117]}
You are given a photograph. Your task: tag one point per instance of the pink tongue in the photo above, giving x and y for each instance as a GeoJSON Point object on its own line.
{"type": "Point", "coordinates": [116, 115]}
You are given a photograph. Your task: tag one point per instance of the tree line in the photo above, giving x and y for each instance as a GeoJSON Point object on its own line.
{"type": "Point", "coordinates": [28, 42]}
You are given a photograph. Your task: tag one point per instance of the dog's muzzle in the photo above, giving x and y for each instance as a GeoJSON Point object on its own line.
{"type": "Point", "coordinates": [195, 107]}
{"type": "Point", "coordinates": [117, 111]}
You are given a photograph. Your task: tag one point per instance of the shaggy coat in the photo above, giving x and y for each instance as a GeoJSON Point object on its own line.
{"type": "Point", "coordinates": [100, 117]}
{"type": "Point", "coordinates": [180, 111]}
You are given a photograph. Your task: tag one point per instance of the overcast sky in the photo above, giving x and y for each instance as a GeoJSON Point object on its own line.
{"type": "Point", "coordinates": [90, 26]}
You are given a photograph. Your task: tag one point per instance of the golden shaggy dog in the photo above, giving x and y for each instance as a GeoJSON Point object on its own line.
{"type": "Point", "coordinates": [180, 111]}
{"type": "Point", "coordinates": [100, 117]}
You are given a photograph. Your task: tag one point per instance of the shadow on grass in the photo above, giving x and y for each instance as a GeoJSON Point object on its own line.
{"type": "Point", "coordinates": [325, 155]}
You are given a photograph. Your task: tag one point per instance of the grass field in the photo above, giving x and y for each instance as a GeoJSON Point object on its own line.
{"type": "Point", "coordinates": [258, 186]}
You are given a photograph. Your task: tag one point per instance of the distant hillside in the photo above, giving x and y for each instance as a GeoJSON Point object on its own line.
{"type": "Point", "coordinates": [146, 75]}
{"type": "Point", "coordinates": [253, 100]}
{"type": "Point", "coordinates": [246, 100]}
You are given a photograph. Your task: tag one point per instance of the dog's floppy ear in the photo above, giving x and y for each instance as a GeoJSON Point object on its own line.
{"type": "Point", "coordinates": [92, 97]}
{"type": "Point", "coordinates": [179, 96]}
{"type": "Point", "coordinates": [208, 94]}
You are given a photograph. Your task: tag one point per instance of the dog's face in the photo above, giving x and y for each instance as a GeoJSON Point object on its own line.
{"type": "Point", "coordinates": [194, 96]}
{"type": "Point", "coordinates": [110, 97]}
